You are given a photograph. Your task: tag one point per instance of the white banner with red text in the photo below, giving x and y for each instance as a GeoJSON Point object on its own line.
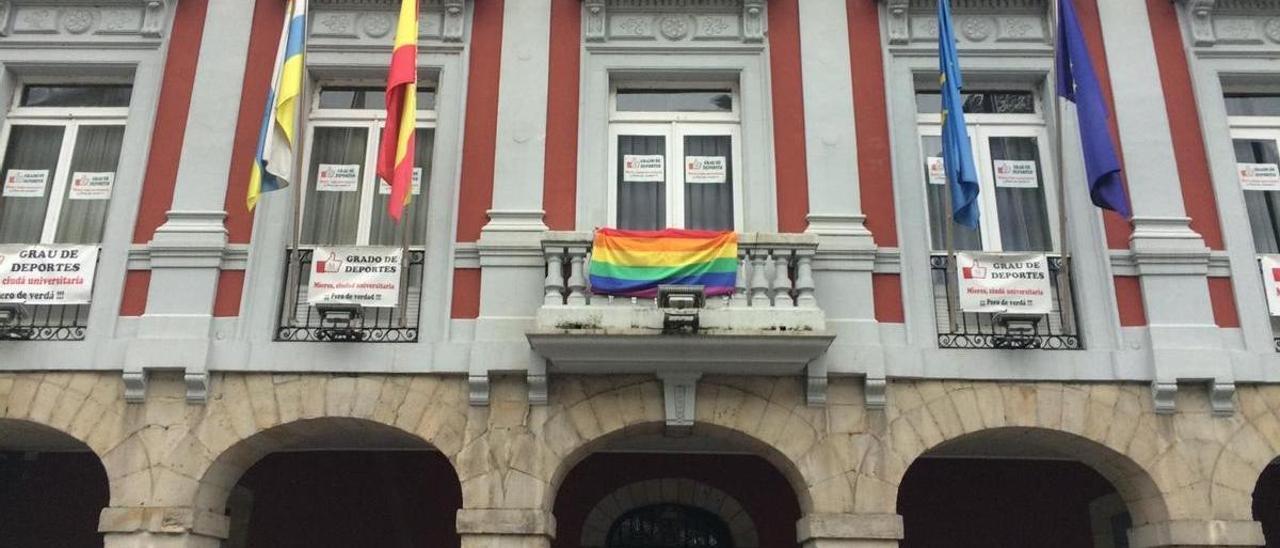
{"type": "Point", "coordinates": [47, 274]}
{"type": "Point", "coordinates": [367, 276]}
{"type": "Point", "coordinates": [1004, 282]}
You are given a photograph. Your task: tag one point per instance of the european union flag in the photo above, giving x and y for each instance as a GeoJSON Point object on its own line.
{"type": "Point", "coordinates": [1078, 83]}
{"type": "Point", "coordinates": [957, 155]}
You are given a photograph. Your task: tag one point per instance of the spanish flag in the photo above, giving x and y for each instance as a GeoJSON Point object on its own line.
{"type": "Point", "coordinates": [395, 150]}
{"type": "Point", "coordinates": [273, 161]}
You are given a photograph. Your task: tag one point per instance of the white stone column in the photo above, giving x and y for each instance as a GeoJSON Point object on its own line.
{"type": "Point", "coordinates": [503, 528]}
{"type": "Point", "coordinates": [161, 527]}
{"type": "Point", "coordinates": [846, 252]}
{"type": "Point", "coordinates": [511, 258]}
{"type": "Point", "coordinates": [1197, 533]}
{"type": "Point", "coordinates": [849, 530]}
{"type": "Point", "coordinates": [186, 251]}
{"type": "Point", "coordinates": [1172, 259]}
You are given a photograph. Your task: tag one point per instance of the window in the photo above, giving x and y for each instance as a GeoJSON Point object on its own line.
{"type": "Point", "coordinates": [62, 148]}
{"type": "Point", "coordinates": [345, 203]}
{"type": "Point", "coordinates": [1016, 198]}
{"type": "Point", "coordinates": [675, 152]}
{"type": "Point", "coordinates": [669, 526]}
{"type": "Point", "coordinates": [1255, 135]}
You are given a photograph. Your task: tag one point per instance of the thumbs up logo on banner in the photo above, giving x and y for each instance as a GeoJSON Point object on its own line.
{"type": "Point", "coordinates": [329, 265]}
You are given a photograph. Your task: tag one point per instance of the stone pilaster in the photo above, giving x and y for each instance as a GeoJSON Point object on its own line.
{"type": "Point", "coordinates": [187, 250]}
{"type": "Point", "coordinates": [849, 530]}
{"type": "Point", "coordinates": [1172, 259]}
{"type": "Point", "coordinates": [505, 528]}
{"type": "Point", "coordinates": [1192, 533]}
{"type": "Point", "coordinates": [161, 527]}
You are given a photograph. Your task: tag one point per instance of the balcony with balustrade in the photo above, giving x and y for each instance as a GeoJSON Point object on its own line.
{"type": "Point", "coordinates": [771, 324]}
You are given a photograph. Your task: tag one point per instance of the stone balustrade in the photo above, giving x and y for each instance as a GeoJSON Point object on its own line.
{"type": "Point", "coordinates": [774, 290]}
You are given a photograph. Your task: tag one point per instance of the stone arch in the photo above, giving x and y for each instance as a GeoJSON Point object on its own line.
{"type": "Point", "coordinates": [765, 416]}
{"type": "Point", "coordinates": [669, 490]}
{"type": "Point", "coordinates": [65, 485]}
{"type": "Point", "coordinates": [1240, 460]}
{"type": "Point", "coordinates": [1112, 429]}
{"type": "Point", "coordinates": [252, 415]}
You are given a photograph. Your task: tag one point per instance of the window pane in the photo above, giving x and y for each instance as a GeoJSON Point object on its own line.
{"type": "Point", "coordinates": [384, 230]}
{"type": "Point", "coordinates": [31, 160]}
{"type": "Point", "coordinates": [708, 188]}
{"type": "Point", "coordinates": [1020, 194]}
{"type": "Point", "coordinates": [369, 98]}
{"type": "Point", "coordinates": [980, 102]}
{"type": "Point", "coordinates": [962, 237]}
{"type": "Point", "coordinates": [1253, 105]}
{"type": "Point", "coordinates": [332, 213]}
{"type": "Point", "coordinates": [76, 96]}
{"type": "Point", "coordinates": [84, 208]}
{"type": "Point", "coordinates": [673, 100]}
{"type": "Point", "coordinates": [642, 188]}
{"type": "Point", "coordinates": [1263, 206]}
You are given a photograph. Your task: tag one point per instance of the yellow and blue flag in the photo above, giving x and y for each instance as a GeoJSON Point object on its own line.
{"type": "Point", "coordinates": [957, 154]}
{"type": "Point", "coordinates": [1078, 83]}
{"type": "Point", "coordinates": [273, 161]}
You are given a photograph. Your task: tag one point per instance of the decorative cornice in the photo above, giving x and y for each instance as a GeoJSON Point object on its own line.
{"type": "Point", "coordinates": [59, 19]}
{"type": "Point", "coordinates": [1244, 22]}
{"type": "Point", "coordinates": [374, 19]}
{"type": "Point", "coordinates": [643, 22]}
{"type": "Point", "coordinates": [985, 22]}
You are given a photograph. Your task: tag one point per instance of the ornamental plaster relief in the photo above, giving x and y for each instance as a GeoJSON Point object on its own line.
{"type": "Point", "coordinates": [673, 22]}
{"type": "Point", "coordinates": [372, 22]}
{"type": "Point", "coordinates": [170, 465]}
{"type": "Point", "coordinates": [104, 23]}
{"type": "Point", "coordinates": [979, 23]}
{"type": "Point", "coordinates": [1215, 23]}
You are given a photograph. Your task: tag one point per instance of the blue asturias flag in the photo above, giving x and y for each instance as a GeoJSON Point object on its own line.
{"type": "Point", "coordinates": [1078, 83]}
{"type": "Point", "coordinates": [957, 155]}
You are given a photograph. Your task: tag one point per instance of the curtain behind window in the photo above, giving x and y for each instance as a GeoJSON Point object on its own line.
{"type": "Point", "coordinates": [1024, 216]}
{"type": "Point", "coordinates": [641, 206]}
{"type": "Point", "coordinates": [332, 218]}
{"type": "Point", "coordinates": [963, 238]}
{"type": "Point", "coordinates": [30, 148]}
{"type": "Point", "coordinates": [709, 206]}
{"type": "Point", "coordinates": [386, 232]}
{"type": "Point", "coordinates": [1263, 206]}
{"type": "Point", "coordinates": [97, 150]}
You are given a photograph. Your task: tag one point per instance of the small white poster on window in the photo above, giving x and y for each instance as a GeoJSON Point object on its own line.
{"type": "Point", "coordinates": [1271, 281]}
{"type": "Point", "coordinates": [415, 189]}
{"type": "Point", "coordinates": [1259, 176]}
{"type": "Point", "coordinates": [367, 276]}
{"type": "Point", "coordinates": [90, 185]}
{"type": "Point", "coordinates": [706, 169]}
{"type": "Point", "coordinates": [338, 178]}
{"type": "Point", "coordinates": [1004, 282]}
{"type": "Point", "coordinates": [644, 168]}
{"type": "Point", "coordinates": [47, 274]}
{"type": "Point", "coordinates": [937, 170]}
{"type": "Point", "coordinates": [25, 183]}
{"type": "Point", "coordinates": [1016, 174]}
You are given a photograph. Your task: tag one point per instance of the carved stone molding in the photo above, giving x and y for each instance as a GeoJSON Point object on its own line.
{"type": "Point", "coordinates": [983, 22]}
{"type": "Point", "coordinates": [1232, 22]}
{"type": "Point", "coordinates": [679, 393]}
{"type": "Point", "coordinates": [644, 22]}
{"type": "Point", "coordinates": [374, 20]}
{"type": "Point", "coordinates": [83, 20]}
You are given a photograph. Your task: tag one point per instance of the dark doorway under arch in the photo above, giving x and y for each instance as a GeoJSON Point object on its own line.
{"type": "Point", "coordinates": [52, 488]}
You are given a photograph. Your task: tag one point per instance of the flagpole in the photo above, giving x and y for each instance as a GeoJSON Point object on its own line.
{"type": "Point", "coordinates": [405, 263]}
{"type": "Point", "coordinates": [1065, 300]}
{"type": "Point", "coordinates": [949, 231]}
{"type": "Point", "coordinates": [299, 148]}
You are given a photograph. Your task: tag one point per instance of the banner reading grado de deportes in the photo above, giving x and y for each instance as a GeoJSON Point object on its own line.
{"type": "Point", "coordinates": [1004, 282]}
{"type": "Point", "coordinates": [367, 276]}
{"type": "Point", "coordinates": [47, 274]}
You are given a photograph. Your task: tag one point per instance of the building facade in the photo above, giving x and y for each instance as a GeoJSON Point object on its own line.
{"type": "Point", "coordinates": [841, 397]}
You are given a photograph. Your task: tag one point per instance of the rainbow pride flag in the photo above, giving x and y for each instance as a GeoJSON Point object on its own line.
{"type": "Point", "coordinates": [633, 263]}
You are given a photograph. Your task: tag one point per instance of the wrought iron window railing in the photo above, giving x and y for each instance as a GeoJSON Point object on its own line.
{"type": "Point", "coordinates": [301, 322]}
{"type": "Point", "coordinates": [1056, 330]}
{"type": "Point", "coordinates": [63, 322]}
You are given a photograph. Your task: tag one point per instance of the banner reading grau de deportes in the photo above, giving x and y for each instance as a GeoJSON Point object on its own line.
{"type": "Point", "coordinates": [1004, 282]}
{"type": "Point", "coordinates": [367, 276]}
{"type": "Point", "coordinates": [47, 274]}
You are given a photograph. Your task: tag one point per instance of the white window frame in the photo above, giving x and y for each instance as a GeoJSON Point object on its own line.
{"type": "Point", "coordinates": [373, 121]}
{"type": "Point", "coordinates": [1256, 128]}
{"type": "Point", "coordinates": [983, 127]}
{"type": "Point", "coordinates": [674, 127]}
{"type": "Point", "coordinates": [69, 118]}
